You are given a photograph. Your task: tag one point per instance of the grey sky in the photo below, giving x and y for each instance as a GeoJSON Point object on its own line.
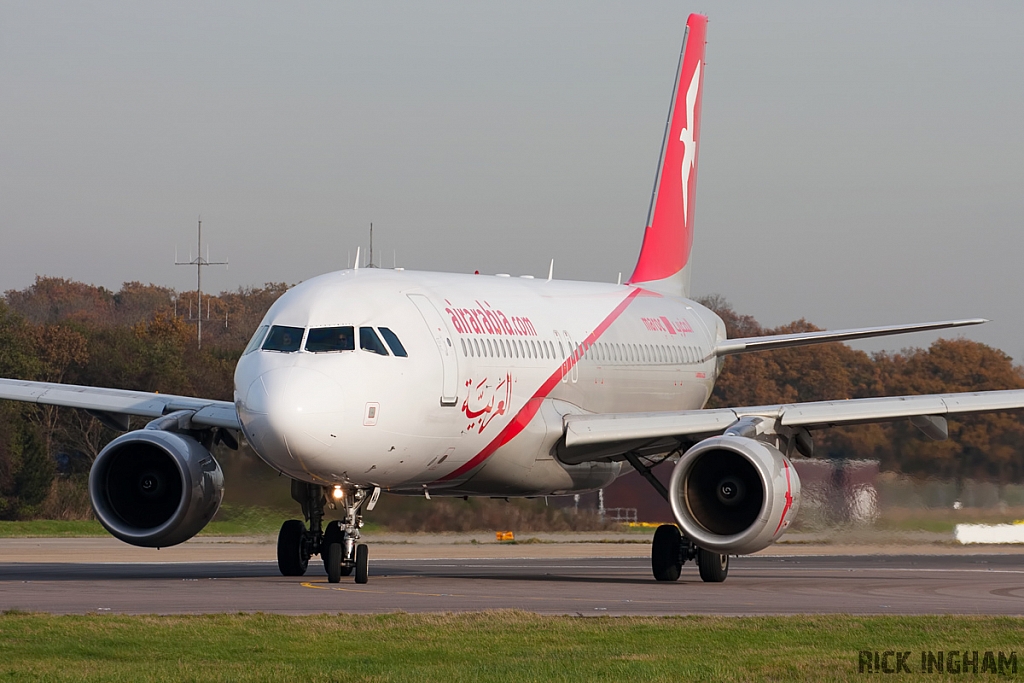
{"type": "Point", "coordinates": [860, 163]}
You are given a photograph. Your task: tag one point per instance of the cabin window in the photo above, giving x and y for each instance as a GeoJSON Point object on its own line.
{"type": "Point", "coordinates": [326, 339]}
{"type": "Point", "coordinates": [392, 339]}
{"type": "Point", "coordinates": [282, 338]}
{"type": "Point", "coordinates": [464, 352]}
{"type": "Point", "coordinates": [369, 341]}
{"type": "Point", "coordinates": [561, 349]}
{"type": "Point", "coordinates": [256, 340]}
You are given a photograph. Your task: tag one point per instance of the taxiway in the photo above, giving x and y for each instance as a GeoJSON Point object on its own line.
{"type": "Point", "coordinates": [779, 584]}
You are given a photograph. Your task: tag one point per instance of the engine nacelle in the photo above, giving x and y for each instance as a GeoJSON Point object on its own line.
{"type": "Point", "coordinates": [154, 488]}
{"type": "Point", "coordinates": [733, 494]}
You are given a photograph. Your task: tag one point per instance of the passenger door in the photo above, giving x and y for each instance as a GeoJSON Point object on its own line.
{"type": "Point", "coordinates": [445, 346]}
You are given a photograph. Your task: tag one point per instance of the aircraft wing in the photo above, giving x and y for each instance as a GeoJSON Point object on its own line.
{"type": "Point", "coordinates": [589, 437]}
{"type": "Point", "coordinates": [727, 347]}
{"type": "Point", "coordinates": [114, 406]}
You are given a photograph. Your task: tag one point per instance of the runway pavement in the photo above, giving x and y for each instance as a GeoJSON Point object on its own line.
{"type": "Point", "coordinates": [780, 584]}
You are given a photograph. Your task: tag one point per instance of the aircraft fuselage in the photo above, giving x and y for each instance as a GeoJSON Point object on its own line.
{"type": "Point", "coordinates": [476, 405]}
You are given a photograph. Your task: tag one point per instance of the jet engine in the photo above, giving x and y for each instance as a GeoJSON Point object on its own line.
{"type": "Point", "coordinates": [155, 488]}
{"type": "Point", "coordinates": [733, 494]}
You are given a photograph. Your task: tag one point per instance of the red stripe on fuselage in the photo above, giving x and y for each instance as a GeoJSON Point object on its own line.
{"type": "Point", "coordinates": [789, 497]}
{"type": "Point", "coordinates": [528, 411]}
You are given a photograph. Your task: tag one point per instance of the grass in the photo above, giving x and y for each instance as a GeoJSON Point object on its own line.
{"type": "Point", "coordinates": [52, 528]}
{"type": "Point", "coordinates": [943, 520]}
{"type": "Point", "coordinates": [231, 520]}
{"type": "Point", "coordinates": [488, 646]}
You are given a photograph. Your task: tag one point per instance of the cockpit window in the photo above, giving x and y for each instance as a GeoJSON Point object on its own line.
{"type": "Point", "coordinates": [392, 339]}
{"type": "Point", "coordinates": [283, 338]}
{"type": "Point", "coordinates": [326, 339]}
{"type": "Point", "coordinates": [369, 341]}
{"type": "Point", "coordinates": [257, 339]}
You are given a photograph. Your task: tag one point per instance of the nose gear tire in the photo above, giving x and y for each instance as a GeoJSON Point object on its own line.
{"type": "Point", "coordinates": [332, 561]}
{"type": "Point", "coordinates": [362, 562]}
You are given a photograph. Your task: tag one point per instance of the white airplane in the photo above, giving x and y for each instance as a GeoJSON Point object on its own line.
{"type": "Point", "coordinates": [370, 380]}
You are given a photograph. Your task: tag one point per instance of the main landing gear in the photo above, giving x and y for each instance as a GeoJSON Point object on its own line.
{"type": "Point", "coordinates": [336, 544]}
{"type": "Point", "coordinates": [670, 551]}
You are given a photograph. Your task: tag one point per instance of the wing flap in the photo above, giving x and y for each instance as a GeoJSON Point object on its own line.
{"type": "Point", "coordinates": [582, 430]}
{"type": "Point", "coordinates": [120, 401]}
{"type": "Point", "coordinates": [588, 431]}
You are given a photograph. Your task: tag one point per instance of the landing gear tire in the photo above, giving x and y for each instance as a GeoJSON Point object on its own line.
{"type": "Point", "coordinates": [714, 567]}
{"type": "Point", "coordinates": [362, 563]}
{"type": "Point", "coordinates": [292, 554]}
{"type": "Point", "coordinates": [666, 553]}
{"type": "Point", "coordinates": [334, 535]}
{"type": "Point", "coordinates": [332, 561]}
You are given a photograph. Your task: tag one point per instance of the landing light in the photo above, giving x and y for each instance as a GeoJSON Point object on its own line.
{"type": "Point", "coordinates": [338, 493]}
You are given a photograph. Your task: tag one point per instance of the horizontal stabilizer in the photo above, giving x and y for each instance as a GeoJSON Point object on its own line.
{"type": "Point", "coordinates": [727, 347]}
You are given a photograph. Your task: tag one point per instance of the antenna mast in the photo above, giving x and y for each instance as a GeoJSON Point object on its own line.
{"type": "Point", "coordinates": [371, 245]}
{"type": "Point", "coordinates": [199, 262]}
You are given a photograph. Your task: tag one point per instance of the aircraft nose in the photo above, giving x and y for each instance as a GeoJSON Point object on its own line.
{"type": "Point", "coordinates": [291, 412]}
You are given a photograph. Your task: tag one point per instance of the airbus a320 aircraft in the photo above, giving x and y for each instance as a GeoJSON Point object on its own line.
{"type": "Point", "coordinates": [370, 380]}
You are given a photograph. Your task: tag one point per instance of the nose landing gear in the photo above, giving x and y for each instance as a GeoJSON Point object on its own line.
{"type": "Point", "coordinates": [343, 554]}
{"type": "Point", "coordinates": [336, 544]}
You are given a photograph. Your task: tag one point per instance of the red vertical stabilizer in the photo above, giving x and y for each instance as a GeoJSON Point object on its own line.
{"type": "Point", "coordinates": [663, 265]}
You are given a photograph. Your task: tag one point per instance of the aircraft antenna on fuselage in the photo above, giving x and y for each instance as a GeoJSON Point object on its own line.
{"type": "Point", "coordinates": [370, 264]}
{"type": "Point", "coordinates": [551, 270]}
